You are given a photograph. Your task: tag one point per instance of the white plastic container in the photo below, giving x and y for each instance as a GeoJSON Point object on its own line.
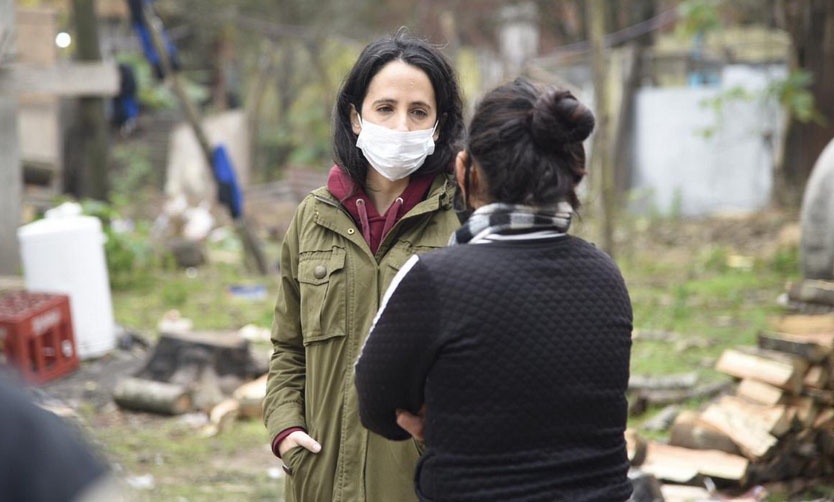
{"type": "Point", "coordinates": [65, 254]}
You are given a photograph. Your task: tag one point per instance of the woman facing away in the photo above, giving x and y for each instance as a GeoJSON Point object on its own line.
{"type": "Point", "coordinates": [397, 127]}
{"type": "Point", "coordinates": [508, 351]}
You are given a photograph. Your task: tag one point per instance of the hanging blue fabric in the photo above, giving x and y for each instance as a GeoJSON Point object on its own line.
{"type": "Point", "coordinates": [228, 190]}
{"type": "Point", "coordinates": [142, 30]}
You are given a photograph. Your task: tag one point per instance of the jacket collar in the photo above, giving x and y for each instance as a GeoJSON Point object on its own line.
{"type": "Point", "coordinates": [441, 194]}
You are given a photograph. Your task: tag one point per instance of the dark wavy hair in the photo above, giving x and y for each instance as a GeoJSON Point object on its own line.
{"type": "Point", "coordinates": [417, 53]}
{"type": "Point", "coordinates": [527, 141]}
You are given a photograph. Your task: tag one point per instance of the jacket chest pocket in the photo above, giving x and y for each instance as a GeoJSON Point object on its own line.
{"type": "Point", "coordinates": [396, 258]}
{"type": "Point", "coordinates": [323, 285]}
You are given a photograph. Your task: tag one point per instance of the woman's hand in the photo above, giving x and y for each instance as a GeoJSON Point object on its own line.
{"type": "Point", "coordinates": [298, 438]}
{"type": "Point", "coordinates": [413, 424]}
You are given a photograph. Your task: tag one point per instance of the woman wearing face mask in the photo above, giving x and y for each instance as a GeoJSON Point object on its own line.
{"type": "Point", "coordinates": [509, 350]}
{"type": "Point", "coordinates": [398, 121]}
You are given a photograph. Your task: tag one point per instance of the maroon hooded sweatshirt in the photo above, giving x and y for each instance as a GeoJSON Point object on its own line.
{"type": "Point", "coordinates": [375, 226]}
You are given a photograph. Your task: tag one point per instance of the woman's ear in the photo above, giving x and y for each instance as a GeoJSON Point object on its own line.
{"type": "Point", "coordinates": [355, 123]}
{"type": "Point", "coordinates": [460, 168]}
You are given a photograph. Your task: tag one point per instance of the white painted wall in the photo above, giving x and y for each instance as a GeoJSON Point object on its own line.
{"type": "Point", "coordinates": [677, 170]}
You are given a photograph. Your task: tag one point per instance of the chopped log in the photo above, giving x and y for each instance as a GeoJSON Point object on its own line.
{"type": "Point", "coordinates": [821, 396]}
{"type": "Point", "coordinates": [635, 447]}
{"type": "Point", "coordinates": [798, 346]}
{"type": "Point", "coordinates": [250, 396]}
{"type": "Point", "coordinates": [147, 395]}
{"type": "Point", "coordinates": [671, 396]}
{"type": "Point", "coordinates": [662, 419]}
{"type": "Point", "coordinates": [689, 431]}
{"type": "Point", "coordinates": [780, 467]}
{"type": "Point", "coordinates": [682, 381]}
{"type": "Point", "coordinates": [748, 431]}
{"type": "Point", "coordinates": [812, 291]}
{"type": "Point", "coordinates": [825, 441]}
{"type": "Point", "coordinates": [774, 419]}
{"type": "Point", "coordinates": [221, 417]}
{"type": "Point", "coordinates": [684, 493]}
{"type": "Point", "coordinates": [817, 377]}
{"type": "Point", "coordinates": [760, 392]}
{"type": "Point", "coordinates": [683, 465]}
{"type": "Point", "coordinates": [802, 324]}
{"type": "Point", "coordinates": [824, 420]}
{"type": "Point", "coordinates": [806, 409]}
{"type": "Point", "coordinates": [776, 368]}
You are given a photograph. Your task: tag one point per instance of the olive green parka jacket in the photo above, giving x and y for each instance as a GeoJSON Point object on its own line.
{"type": "Point", "coordinates": [330, 290]}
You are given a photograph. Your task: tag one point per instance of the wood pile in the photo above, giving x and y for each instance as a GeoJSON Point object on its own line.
{"type": "Point", "coordinates": [775, 423]}
{"type": "Point", "coordinates": [192, 371]}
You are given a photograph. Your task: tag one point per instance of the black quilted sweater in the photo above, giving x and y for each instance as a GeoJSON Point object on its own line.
{"type": "Point", "coordinates": [520, 351]}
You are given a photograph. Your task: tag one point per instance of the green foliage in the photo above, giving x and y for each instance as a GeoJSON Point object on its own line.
{"type": "Point", "coordinates": [152, 95]}
{"type": "Point", "coordinates": [135, 179]}
{"type": "Point", "coordinates": [784, 261]}
{"type": "Point", "coordinates": [175, 294]}
{"type": "Point", "coordinates": [698, 17]}
{"type": "Point", "coordinates": [792, 92]}
{"type": "Point", "coordinates": [127, 251]}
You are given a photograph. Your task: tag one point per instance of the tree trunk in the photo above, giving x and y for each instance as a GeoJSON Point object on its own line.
{"type": "Point", "coordinates": [601, 170]}
{"type": "Point", "coordinates": [94, 141]}
{"type": "Point", "coordinates": [810, 24]}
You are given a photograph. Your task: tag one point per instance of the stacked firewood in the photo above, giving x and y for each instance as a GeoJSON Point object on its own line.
{"type": "Point", "coordinates": [775, 423]}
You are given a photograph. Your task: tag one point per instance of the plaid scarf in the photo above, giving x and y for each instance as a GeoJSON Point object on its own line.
{"type": "Point", "coordinates": [499, 217]}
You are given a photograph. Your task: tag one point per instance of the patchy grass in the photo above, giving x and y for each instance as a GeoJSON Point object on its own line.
{"type": "Point", "coordinates": [167, 459]}
{"type": "Point", "coordinates": [708, 284]}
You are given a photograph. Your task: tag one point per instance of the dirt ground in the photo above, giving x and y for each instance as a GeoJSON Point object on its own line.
{"type": "Point", "coordinates": [168, 457]}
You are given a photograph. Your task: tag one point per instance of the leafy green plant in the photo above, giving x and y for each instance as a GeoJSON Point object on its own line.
{"type": "Point", "coordinates": [698, 17]}
{"type": "Point", "coordinates": [792, 92]}
{"type": "Point", "coordinates": [127, 251]}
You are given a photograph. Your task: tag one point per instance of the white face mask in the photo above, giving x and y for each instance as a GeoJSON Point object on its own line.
{"type": "Point", "coordinates": [395, 154]}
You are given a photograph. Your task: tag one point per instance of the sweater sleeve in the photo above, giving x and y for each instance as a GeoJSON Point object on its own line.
{"type": "Point", "coordinates": [392, 368]}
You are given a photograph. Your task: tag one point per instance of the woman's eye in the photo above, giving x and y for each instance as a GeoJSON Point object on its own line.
{"type": "Point", "coordinates": [385, 109]}
{"type": "Point", "coordinates": [420, 113]}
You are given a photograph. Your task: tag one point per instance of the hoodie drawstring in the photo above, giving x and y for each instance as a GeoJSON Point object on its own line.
{"type": "Point", "coordinates": [391, 216]}
{"type": "Point", "coordinates": [363, 220]}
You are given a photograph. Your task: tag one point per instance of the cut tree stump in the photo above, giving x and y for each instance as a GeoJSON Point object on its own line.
{"type": "Point", "coordinates": [205, 366]}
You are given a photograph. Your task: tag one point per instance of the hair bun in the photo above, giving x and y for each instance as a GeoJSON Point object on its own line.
{"type": "Point", "coordinates": [558, 118]}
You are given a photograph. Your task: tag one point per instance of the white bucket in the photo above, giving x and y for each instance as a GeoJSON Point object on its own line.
{"type": "Point", "coordinates": [66, 255]}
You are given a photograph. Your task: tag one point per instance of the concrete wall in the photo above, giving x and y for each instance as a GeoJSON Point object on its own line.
{"type": "Point", "coordinates": [676, 169]}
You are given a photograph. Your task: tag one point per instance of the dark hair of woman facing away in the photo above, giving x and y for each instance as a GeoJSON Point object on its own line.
{"type": "Point", "coordinates": [527, 141]}
{"type": "Point", "coordinates": [417, 53]}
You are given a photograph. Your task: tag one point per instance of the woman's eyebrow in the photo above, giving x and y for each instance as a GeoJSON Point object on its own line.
{"type": "Point", "coordinates": [392, 101]}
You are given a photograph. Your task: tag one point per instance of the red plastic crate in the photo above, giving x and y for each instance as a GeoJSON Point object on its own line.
{"type": "Point", "coordinates": [36, 334]}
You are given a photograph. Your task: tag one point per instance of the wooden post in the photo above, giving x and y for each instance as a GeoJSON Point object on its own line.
{"type": "Point", "coordinates": [92, 121]}
{"type": "Point", "coordinates": [11, 176]}
{"type": "Point", "coordinates": [11, 181]}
